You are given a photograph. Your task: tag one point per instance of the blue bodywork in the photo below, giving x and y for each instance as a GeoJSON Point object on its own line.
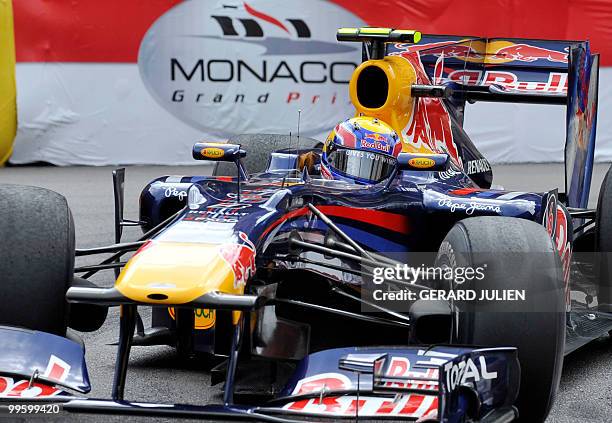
{"type": "Point", "coordinates": [417, 203]}
{"type": "Point", "coordinates": [43, 358]}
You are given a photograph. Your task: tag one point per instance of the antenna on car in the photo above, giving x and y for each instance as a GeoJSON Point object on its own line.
{"type": "Point", "coordinates": [297, 150]}
{"type": "Point", "coordinates": [285, 177]}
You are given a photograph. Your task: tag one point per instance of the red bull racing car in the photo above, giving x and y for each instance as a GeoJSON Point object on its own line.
{"type": "Point", "coordinates": [376, 275]}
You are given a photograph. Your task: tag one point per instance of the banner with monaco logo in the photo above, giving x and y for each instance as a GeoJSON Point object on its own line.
{"type": "Point", "coordinates": [139, 81]}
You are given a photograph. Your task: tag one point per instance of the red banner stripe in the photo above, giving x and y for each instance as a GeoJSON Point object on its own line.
{"type": "Point", "coordinates": [83, 30]}
{"type": "Point", "coordinates": [111, 30]}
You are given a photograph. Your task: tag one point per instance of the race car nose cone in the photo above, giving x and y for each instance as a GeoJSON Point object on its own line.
{"type": "Point", "coordinates": [178, 273]}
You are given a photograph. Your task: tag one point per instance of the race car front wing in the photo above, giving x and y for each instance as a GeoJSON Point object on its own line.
{"type": "Point", "coordinates": [411, 383]}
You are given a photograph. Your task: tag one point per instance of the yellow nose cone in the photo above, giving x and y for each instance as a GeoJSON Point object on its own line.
{"type": "Point", "coordinates": [178, 273]}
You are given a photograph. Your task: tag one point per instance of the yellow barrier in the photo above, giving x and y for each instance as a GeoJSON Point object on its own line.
{"type": "Point", "coordinates": [8, 96]}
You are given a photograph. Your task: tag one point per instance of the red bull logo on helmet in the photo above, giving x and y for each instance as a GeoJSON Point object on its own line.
{"type": "Point", "coordinates": [375, 141]}
{"type": "Point", "coordinates": [376, 137]}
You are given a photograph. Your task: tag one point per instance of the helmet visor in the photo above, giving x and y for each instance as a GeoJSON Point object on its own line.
{"type": "Point", "coordinates": [365, 165]}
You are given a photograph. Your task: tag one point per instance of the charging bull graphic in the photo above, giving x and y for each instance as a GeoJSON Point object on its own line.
{"type": "Point", "coordinates": [494, 52]}
{"type": "Point", "coordinates": [430, 123]}
{"type": "Point", "coordinates": [241, 257]}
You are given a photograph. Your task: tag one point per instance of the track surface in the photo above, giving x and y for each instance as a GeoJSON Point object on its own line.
{"type": "Point", "coordinates": [156, 375]}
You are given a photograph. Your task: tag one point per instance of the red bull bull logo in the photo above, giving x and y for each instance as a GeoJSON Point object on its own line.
{"type": "Point", "coordinates": [376, 137]}
{"type": "Point", "coordinates": [525, 53]}
{"type": "Point", "coordinates": [241, 257]}
{"type": "Point", "coordinates": [462, 50]}
{"type": "Point", "coordinates": [488, 52]}
{"type": "Point", "coordinates": [430, 124]}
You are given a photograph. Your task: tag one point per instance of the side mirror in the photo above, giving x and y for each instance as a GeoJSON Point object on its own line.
{"type": "Point", "coordinates": [217, 152]}
{"type": "Point", "coordinates": [425, 162]}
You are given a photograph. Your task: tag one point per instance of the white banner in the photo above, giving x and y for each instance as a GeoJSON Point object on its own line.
{"type": "Point", "coordinates": [210, 70]}
{"type": "Point", "coordinates": [117, 121]}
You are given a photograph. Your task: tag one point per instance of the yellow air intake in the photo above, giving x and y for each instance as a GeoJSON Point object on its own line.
{"type": "Point", "coordinates": [382, 89]}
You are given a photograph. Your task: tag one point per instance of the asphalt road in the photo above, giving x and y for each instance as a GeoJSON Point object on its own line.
{"type": "Point", "coordinates": [156, 375]}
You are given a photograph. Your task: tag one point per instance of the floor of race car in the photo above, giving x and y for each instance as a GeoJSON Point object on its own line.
{"type": "Point", "coordinates": [155, 373]}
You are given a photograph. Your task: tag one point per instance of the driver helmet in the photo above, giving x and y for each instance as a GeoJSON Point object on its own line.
{"type": "Point", "coordinates": [362, 150]}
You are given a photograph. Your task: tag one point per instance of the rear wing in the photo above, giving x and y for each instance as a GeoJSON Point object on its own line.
{"type": "Point", "coordinates": [515, 70]}
{"type": "Point", "coordinates": [496, 69]}
{"type": "Point", "coordinates": [525, 71]}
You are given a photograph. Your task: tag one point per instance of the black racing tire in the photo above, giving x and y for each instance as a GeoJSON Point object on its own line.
{"type": "Point", "coordinates": [518, 254]}
{"type": "Point", "coordinates": [258, 148]}
{"type": "Point", "coordinates": [603, 242]}
{"type": "Point", "coordinates": [37, 258]}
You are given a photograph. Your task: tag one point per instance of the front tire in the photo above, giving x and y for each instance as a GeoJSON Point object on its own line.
{"type": "Point", "coordinates": [518, 255]}
{"type": "Point", "coordinates": [37, 258]}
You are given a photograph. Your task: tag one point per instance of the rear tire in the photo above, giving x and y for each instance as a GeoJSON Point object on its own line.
{"type": "Point", "coordinates": [37, 265]}
{"type": "Point", "coordinates": [518, 254]}
{"type": "Point", "coordinates": [258, 148]}
{"type": "Point", "coordinates": [603, 240]}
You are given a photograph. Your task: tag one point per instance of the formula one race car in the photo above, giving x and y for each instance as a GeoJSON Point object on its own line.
{"type": "Point", "coordinates": [293, 270]}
